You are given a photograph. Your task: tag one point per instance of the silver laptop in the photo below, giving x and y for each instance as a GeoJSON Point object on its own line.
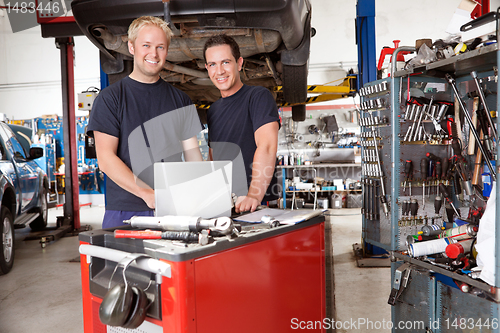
{"type": "Point", "coordinates": [193, 188]}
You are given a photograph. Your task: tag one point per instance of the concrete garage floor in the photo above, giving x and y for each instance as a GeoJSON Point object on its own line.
{"type": "Point", "coordinates": [42, 293]}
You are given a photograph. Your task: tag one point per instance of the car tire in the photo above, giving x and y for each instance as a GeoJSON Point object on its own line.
{"type": "Point", "coordinates": [41, 221]}
{"type": "Point", "coordinates": [7, 240]}
{"type": "Point", "coordinates": [295, 84]}
{"type": "Point", "coordinates": [299, 112]}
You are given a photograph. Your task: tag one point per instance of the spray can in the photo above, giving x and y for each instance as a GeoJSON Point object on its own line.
{"type": "Point", "coordinates": [462, 232]}
{"type": "Point", "coordinates": [430, 230]}
{"type": "Point", "coordinates": [462, 247]}
{"type": "Point", "coordinates": [410, 239]}
{"type": "Point", "coordinates": [429, 247]}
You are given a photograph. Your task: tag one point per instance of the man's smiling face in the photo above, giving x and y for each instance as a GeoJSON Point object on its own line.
{"type": "Point", "coordinates": [223, 69]}
{"type": "Point", "coordinates": [150, 53]}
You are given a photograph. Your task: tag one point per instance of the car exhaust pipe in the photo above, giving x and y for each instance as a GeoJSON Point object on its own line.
{"type": "Point", "coordinates": [111, 41]}
{"type": "Point", "coordinates": [166, 18]}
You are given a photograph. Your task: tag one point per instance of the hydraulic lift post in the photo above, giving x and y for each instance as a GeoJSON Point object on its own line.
{"type": "Point", "coordinates": [365, 40]}
{"type": "Point", "coordinates": [71, 193]}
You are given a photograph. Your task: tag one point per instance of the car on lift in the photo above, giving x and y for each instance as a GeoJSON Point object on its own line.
{"type": "Point", "coordinates": [23, 189]}
{"type": "Point", "coordinates": [273, 35]}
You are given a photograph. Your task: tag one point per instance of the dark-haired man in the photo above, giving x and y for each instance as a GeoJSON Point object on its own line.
{"type": "Point", "coordinates": [246, 116]}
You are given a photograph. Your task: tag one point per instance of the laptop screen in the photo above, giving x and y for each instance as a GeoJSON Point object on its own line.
{"type": "Point", "coordinates": [193, 188]}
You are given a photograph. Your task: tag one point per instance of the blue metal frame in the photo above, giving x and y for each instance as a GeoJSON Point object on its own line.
{"type": "Point", "coordinates": [365, 40]}
{"type": "Point", "coordinates": [495, 308]}
{"type": "Point", "coordinates": [395, 156]}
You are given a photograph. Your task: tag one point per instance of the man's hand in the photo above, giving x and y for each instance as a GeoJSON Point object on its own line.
{"type": "Point", "coordinates": [149, 198]}
{"type": "Point", "coordinates": [245, 204]}
{"type": "Point", "coordinates": [118, 171]}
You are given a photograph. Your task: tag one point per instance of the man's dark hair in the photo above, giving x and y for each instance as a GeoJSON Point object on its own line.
{"type": "Point", "coordinates": [222, 39]}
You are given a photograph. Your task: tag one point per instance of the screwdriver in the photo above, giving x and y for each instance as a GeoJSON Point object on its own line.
{"type": "Point", "coordinates": [438, 172]}
{"type": "Point", "coordinates": [413, 207]}
{"type": "Point", "coordinates": [406, 207]}
{"type": "Point", "coordinates": [444, 166]}
{"type": "Point", "coordinates": [430, 172]}
{"type": "Point", "coordinates": [432, 157]}
{"type": "Point", "coordinates": [446, 195]}
{"type": "Point", "coordinates": [438, 202]}
{"type": "Point", "coordinates": [458, 184]}
{"type": "Point", "coordinates": [455, 144]}
{"type": "Point", "coordinates": [423, 172]}
{"type": "Point", "coordinates": [408, 170]}
{"type": "Point", "coordinates": [449, 214]}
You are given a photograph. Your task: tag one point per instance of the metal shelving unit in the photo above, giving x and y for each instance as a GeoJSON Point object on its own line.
{"type": "Point", "coordinates": [431, 295]}
{"type": "Point", "coordinates": [315, 169]}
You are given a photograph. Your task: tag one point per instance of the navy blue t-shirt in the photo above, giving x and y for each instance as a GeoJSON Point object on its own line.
{"type": "Point", "coordinates": [150, 121]}
{"type": "Point", "coordinates": [232, 122]}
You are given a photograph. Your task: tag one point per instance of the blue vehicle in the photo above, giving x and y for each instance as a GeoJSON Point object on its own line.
{"type": "Point", "coordinates": [23, 189]}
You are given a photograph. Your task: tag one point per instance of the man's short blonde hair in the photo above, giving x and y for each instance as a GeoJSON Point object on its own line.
{"type": "Point", "coordinates": [138, 23]}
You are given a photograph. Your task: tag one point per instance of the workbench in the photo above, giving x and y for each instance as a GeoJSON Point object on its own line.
{"type": "Point", "coordinates": [257, 282]}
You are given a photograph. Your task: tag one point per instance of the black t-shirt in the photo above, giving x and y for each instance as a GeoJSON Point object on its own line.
{"type": "Point", "coordinates": [150, 121]}
{"type": "Point", "coordinates": [232, 122]}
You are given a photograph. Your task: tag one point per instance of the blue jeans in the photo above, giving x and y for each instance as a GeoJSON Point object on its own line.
{"type": "Point", "coordinates": [115, 218]}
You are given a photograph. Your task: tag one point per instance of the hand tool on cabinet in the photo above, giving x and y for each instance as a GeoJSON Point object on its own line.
{"type": "Point", "coordinates": [445, 164]}
{"type": "Point", "coordinates": [383, 198]}
{"type": "Point", "coordinates": [201, 238]}
{"type": "Point", "coordinates": [419, 123]}
{"type": "Point", "coordinates": [414, 127]}
{"type": "Point", "coordinates": [220, 225]}
{"type": "Point", "coordinates": [438, 202]}
{"type": "Point", "coordinates": [423, 173]}
{"type": "Point", "coordinates": [442, 111]}
{"type": "Point", "coordinates": [485, 105]}
{"type": "Point", "coordinates": [451, 81]}
{"type": "Point", "coordinates": [476, 174]}
{"type": "Point", "coordinates": [474, 117]}
{"type": "Point", "coordinates": [435, 167]}
{"type": "Point", "coordinates": [447, 196]}
{"type": "Point", "coordinates": [464, 176]}
{"type": "Point", "coordinates": [408, 172]}
{"type": "Point", "coordinates": [405, 210]}
{"type": "Point", "coordinates": [371, 211]}
{"type": "Point", "coordinates": [457, 183]}
{"type": "Point", "coordinates": [430, 171]}
{"type": "Point", "coordinates": [376, 203]}
{"type": "Point", "coordinates": [408, 133]}
{"type": "Point", "coordinates": [437, 126]}
{"type": "Point", "coordinates": [413, 207]}
{"type": "Point", "coordinates": [484, 129]}
{"type": "Point", "coordinates": [401, 278]}
{"type": "Point", "coordinates": [437, 174]}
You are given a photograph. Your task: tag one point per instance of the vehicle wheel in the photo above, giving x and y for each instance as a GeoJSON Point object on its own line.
{"type": "Point", "coordinates": [295, 83]}
{"type": "Point", "coordinates": [6, 240]}
{"type": "Point", "coordinates": [299, 112]}
{"type": "Point", "coordinates": [41, 221]}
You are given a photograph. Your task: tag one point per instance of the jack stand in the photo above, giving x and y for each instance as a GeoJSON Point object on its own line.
{"type": "Point", "coordinates": [363, 259]}
{"type": "Point", "coordinates": [63, 228]}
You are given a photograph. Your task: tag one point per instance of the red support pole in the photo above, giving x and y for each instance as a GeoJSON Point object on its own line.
{"type": "Point", "coordinates": [72, 121]}
{"type": "Point", "coordinates": [71, 205]}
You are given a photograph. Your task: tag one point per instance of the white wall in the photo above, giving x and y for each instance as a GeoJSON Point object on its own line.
{"type": "Point", "coordinates": [333, 49]}
{"type": "Point", "coordinates": [30, 65]}
{"type": "Point", "coordinates": [30, 73]}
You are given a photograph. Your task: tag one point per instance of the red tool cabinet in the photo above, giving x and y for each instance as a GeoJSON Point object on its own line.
{"type": "Point", "coordinates": [257, 282]}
